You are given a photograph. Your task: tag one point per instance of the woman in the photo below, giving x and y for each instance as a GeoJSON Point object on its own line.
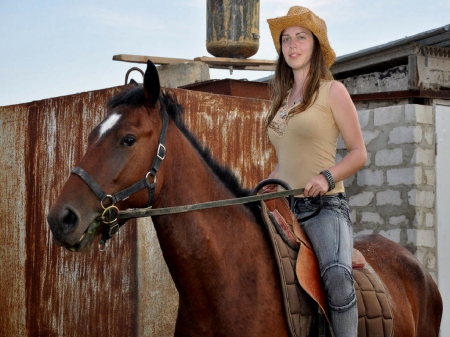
{"type": "Point", "coordinates": [308, 112]}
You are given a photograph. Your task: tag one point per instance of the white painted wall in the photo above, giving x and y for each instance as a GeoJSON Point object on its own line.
{"type": "Point", "coordinates": [443, 209]}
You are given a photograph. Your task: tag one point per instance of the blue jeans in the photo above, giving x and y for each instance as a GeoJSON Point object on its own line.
{"type": "Point", "coordinates": [331, 235]}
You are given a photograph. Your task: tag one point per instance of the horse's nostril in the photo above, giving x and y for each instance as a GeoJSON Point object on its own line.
{"type": "Point", "coordinates": [69, 220]}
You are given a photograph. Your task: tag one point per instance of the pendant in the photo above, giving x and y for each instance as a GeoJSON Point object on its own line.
{"type": "Point", "coordinates": [283, 114]}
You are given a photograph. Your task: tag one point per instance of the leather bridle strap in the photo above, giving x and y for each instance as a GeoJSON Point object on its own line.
{"type": "Point", "coordinates": [141, 184]}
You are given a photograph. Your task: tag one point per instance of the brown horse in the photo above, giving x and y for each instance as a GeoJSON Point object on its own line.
{"type": "Point", "coordinates": [220, 259]}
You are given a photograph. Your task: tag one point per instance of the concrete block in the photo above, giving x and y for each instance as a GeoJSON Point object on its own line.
{"type": "Point", "coordinates": [368, 136]}
{"type": "Point", "coordinates": [433, 72]}
{"type": "Point", "coordinates": [430, 177]}
{"type": "Point", "coordinates": [421, 198]}
{"type": "Point", "coordinates": [429, 137]}
{"type": "Point", "coordinates": [419, 218]}
{"type": "Point", "coordinates": [407, 176]}
{"type": "Point", "coordinates": [364, 118]}
{"type": "Point", "coordinates": [353, 216]}
{"type": "Point", "coordinates": [398, 220]}
{"type": "Point", "coordinates": [405, 134]}
{"type": "Point", "coordinates": [423, 156]}
{"type": "Point", "coordinates": [340, 144]}
{"type": "Point", "coordinates": [389, 197]}
{"type": "Point", "coordinates": [389, 157]}
{"type": "Point", "coordinates": [427, 258]}
{"type": "Point", "coordinates": [421, 237]}
{"type": "Point", "coordinates": [361, 199]}
{"type": "Point", "coordinates": [387, 115]}
{"type": "Point", "coordinates": [415, 113]}
{"type": "Point", "coordinates": [369, 177]}
{"type": "Point", "coordinates": [393, 79]}
{"type": "Point", "coordinates": [392, 234]}
{"type": "Point", "coordinates": [370, 217]}
{"type": "Point", "coordinates": [349, 181]}
{"type": "Point", "coordinates": [429, 220]}
{"type": "Point", "coordinates": [179, 74]}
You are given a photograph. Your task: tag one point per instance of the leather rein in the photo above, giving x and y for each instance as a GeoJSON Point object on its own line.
{"type": "Point", "coordinates": [111, 214]}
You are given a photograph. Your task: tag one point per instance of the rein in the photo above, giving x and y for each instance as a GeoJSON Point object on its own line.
{"type": "Point", "coordinates": [111, 214]}
{"type": "Point", "coordinates": [149, 211]}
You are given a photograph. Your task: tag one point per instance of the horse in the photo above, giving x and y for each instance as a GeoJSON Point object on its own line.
{"type": "Point", "coordinates": [220, 259]}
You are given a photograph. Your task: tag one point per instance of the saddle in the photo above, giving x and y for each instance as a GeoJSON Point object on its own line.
{"type": "Point", "coordinates": [302, 285]}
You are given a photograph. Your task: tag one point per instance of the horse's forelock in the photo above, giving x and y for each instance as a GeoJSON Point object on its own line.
{"type": "Point", "coordinates": [134, 97]}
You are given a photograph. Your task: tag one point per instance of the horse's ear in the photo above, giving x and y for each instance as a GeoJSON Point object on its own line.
{"type": "Point", "coordinates": [151, 83]}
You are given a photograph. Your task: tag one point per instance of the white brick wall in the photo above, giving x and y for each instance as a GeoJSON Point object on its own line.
{"type": "Point", "coordinates": [389, 157]}
{"type": "Point", "coordinates": [405, 134]}
{"type": "Point", "coordinates": [394, 193]}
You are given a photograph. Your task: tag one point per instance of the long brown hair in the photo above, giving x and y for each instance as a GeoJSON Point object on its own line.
{"type": "Point", "coordinates": [283, 80]}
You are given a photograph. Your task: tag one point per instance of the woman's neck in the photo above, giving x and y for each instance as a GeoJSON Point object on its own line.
{"type": "Point", "coordinates": [298, 88]}
{"type": "Point", "coordinates": [300, 77]}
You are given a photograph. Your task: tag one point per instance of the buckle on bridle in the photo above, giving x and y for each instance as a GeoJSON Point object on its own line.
{"type": "Point", "coordinates": [112, 202]}
{"type": "Point", "coordinates": [106, 215]}
{"type": "Point", "coordinates": [162, 148]}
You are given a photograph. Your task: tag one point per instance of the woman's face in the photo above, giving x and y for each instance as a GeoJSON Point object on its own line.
{"type": "Point", "coordinates": [297, 44]}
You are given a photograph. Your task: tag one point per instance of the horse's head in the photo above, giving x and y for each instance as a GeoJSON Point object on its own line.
{"type": "Point", "coordinates": [115, 170]}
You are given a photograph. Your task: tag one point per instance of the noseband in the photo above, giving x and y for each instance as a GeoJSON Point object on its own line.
{"type": "Point", "coordinates": [109, 215]}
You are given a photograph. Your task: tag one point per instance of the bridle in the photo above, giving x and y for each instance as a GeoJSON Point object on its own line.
{"type": "Point", "coordinates": [109, 215]}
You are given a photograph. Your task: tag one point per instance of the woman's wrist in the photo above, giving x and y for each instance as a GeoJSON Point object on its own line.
{"type": "Point", "coordinates": [330, 179]}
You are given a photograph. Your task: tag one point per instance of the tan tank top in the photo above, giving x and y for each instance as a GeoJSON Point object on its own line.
{"type": "Point", "coordinates": [305, 142]}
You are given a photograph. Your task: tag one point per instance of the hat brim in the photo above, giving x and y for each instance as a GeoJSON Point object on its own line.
{"type": "Point", "coordinates": [278, 25]}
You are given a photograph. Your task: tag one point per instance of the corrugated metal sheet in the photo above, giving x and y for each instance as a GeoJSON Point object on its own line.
{"type": "Point", "coordinates": [49, 291]}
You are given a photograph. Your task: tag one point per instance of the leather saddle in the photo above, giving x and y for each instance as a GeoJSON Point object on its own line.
{"type": "Point", "coordinates": [298, 265]}
{"type": "Point", "coordinates": [307, 266]}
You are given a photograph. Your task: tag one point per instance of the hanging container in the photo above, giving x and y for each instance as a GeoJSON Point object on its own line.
{"type": "Point", "coordinates": [232, 28]}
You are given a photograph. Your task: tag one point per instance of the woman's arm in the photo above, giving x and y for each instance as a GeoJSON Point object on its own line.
{"type": "Point", "coordinates": [346, 118]}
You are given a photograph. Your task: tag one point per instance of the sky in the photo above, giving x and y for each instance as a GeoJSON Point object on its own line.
{"type": "Point", "coordinates": [51, 48]}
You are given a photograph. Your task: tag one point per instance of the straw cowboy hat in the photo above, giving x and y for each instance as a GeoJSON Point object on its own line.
{"type": "Point", "coordinates": [303, 17]}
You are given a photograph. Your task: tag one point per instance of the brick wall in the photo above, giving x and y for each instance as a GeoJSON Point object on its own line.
{"type": "Point", "coordinates": [394, 193]}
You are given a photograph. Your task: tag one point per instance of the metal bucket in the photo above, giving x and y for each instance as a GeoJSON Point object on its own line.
{"type": "Point", "coordinates": [232, 28]}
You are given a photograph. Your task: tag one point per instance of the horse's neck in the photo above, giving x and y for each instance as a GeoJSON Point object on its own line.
{"type": "Point", "coordinates": [207, 251]}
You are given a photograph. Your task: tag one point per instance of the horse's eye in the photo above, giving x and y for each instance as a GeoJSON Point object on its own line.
{"type": "Point", "coordinates": [128, 141]}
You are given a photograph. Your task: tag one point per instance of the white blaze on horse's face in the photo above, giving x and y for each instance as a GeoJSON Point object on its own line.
{"type": "Point", "coordinates": [108, 124]}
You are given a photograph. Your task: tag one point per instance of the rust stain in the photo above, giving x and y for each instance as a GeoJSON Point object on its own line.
{"type": "Point", "coordinates": [51, 292]}
{"type": "Point", "coordinates": [233, 128]}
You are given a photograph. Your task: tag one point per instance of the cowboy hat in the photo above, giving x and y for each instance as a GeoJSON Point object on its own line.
{"type": "Point", "coordinates": [303, 17]}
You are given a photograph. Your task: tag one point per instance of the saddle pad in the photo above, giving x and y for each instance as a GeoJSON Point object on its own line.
{"type": "Point", "coordinates": [374, 312]}
{"type": "Point", "coordinates": [299, 306]}
{"type": "Point", "coordinates": [300, 267]}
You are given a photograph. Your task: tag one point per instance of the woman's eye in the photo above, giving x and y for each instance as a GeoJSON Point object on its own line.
{"type": "Point", "coordinates": [128, 141]}
{"type": "Point", "coordinates": [284, 39]}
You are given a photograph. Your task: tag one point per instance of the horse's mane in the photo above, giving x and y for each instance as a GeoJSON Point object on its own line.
{"type": "Point", "coordinates": [169, 103]}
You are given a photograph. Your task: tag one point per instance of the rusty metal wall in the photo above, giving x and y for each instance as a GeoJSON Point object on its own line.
{"type": "Point", "coordinates": [126, 290]}
{"type": "Point", "coordinates": [46, 290]}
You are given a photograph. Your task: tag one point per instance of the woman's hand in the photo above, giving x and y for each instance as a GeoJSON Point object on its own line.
{"type": "Point", "coordinates": [315, 186]}
{"type": "Point", "coordinates": [273, 187]}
